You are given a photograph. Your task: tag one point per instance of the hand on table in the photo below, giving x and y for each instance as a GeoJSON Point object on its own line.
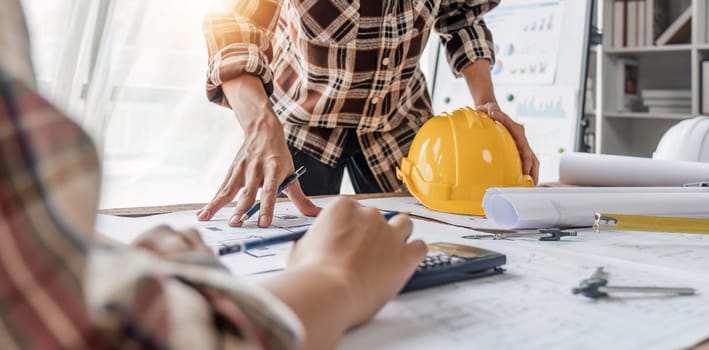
{"type": "Point", "coordinates": [349, 264]}
{"type": "Point", "coordinates": [263, 161]}
{"type": "Point", "coordinates": [359, 245]}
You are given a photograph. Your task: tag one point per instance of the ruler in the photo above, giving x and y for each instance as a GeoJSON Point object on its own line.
{"type": "Point", "coordinates": [622, 222]}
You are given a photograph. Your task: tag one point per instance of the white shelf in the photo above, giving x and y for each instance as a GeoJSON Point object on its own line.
{"type": "Point", "coordinates": [650, 49]}
{"type": "Point", "coordinates": [644, 115]}
{"type": "Point", "coordinates": [663, 67]}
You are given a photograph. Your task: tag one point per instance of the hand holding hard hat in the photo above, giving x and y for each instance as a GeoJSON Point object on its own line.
{"type": "Point", "coordinates": [456, 157]}
{"type": "Point", "coordinates": [530, 163]}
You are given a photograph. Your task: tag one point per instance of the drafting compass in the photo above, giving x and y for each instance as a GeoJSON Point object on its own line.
{"type": "Point", "coordinates": [597, 287]}
{"type": "Point", "coordinates": [545, 234]}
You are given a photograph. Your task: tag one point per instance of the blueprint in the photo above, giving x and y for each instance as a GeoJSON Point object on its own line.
{"type": "Point", "coordinates": [530, 306]}
{"type": "Point", "coordinates": [217, 233]}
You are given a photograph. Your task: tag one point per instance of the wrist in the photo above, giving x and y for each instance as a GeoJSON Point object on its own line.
{"type": "Point", "coordinates": [321, 298]}
{"type": "Point", "coordinates": [338, 283]}
{"type": "Point", "coordinates": [249, 102]}
{"type": "Point", "coordinates": [488, 106]}
{"type": "Point", "coordinates": [479, 81]}
{"type": "Point", "coordinates": [259, 122]}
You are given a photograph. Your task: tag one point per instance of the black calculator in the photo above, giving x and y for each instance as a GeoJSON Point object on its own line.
{"type": "Point", "coordinates": [449, 262]}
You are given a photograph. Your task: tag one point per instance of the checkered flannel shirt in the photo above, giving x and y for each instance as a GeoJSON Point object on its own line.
{"type": "Point", "coordinates": [61, 288]}
{"type": "Point", "coordinates": [330, 65]}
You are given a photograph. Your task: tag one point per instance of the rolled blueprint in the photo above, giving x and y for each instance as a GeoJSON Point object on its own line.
{"type": "Point", "coordinates": [586, 169]}
{"type": "Point", "coordinates": [534, 208]}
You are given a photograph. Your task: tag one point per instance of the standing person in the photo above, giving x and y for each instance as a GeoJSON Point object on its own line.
{"type": "Point", "coordinates": [335, 84]}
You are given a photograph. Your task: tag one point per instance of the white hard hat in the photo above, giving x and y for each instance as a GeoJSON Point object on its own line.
{"type": "Point", "coordinates": [687, 140]}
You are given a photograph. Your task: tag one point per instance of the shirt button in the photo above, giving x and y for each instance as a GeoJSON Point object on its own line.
{"type": "Point", "coordinates": [385, 61]}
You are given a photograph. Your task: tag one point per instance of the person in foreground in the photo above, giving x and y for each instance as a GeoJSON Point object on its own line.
{"type": "Point", "coordinates": [62, 286]}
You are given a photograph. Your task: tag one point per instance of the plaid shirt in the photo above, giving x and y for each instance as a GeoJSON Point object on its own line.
{"type": "Point", "coordinates": [60, 288]}
{"type": "Point", "coordinates": [335, 64]}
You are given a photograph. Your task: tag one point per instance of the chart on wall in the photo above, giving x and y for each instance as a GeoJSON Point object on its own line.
{"type": "Point", "coordinates": [527, 36]}
{"type": "Point", "coordinates": [543, 111]}
{"type": "Point", "coordinates": [541, 48]}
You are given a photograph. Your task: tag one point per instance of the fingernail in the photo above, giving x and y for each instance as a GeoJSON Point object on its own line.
{"type": "Point", "coordinates": [234, 220]}
{"type": "Point", "coordinates": [263, 220]}
{"type": "Point", "coordinates": [202, 213]}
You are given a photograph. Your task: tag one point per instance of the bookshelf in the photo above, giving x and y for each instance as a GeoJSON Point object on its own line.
{"type": "Point", "coordinates": [624, 123]}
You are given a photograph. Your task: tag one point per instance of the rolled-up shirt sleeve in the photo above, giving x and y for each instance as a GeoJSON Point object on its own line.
{"type": "Point", "coordinates": [238, 35]}
{"type": "Point", "coordinates": [464, 33]}
{"type": "Point", "coordinates": [185, 306]}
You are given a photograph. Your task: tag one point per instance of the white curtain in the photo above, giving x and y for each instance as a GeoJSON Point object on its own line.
{"type": "Point", "coordinates": [132, 73]}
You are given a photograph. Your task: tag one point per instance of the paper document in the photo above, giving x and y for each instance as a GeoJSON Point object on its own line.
{"type": "Point", "coordinates": [575, 207]}
{"type": "Point", "coordinates": [217, 233]}
{"type": "Point", "coordinates": [412, 206]}
{"type": "Point", "coordinates": [531, 306]}
{"type": "Point", "coordinates": [586, 169]}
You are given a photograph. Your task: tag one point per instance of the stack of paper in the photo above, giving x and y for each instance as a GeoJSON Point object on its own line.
{"type": "Point", "coordinates": [668, 101]}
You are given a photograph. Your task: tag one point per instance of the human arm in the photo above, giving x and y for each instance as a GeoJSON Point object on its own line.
{"type": "Point", "coordinates": [239, 77]}
{"type": "Point", "coordinates": [470, 53]}
{"type": "Point", "coordinates": [263, 160]}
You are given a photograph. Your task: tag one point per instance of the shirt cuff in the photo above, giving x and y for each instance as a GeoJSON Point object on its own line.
{"type": "Point", "coordinates": [467, 46]}
{"type": "Point", "coordinates": [278, 326]}
{"type": "Point", "coordinates": [233, 61]}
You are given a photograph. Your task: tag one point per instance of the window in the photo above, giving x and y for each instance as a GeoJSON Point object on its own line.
{"type": "Point", "coordinates": [132, 73]}
{"type": "Point", "coordinates": [137, 86]}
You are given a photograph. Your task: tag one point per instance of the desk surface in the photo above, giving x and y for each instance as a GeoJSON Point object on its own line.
{"type": "Point", "coordinates": [161, 209]}
{"type": "Point", "coordinates": [515, 275]}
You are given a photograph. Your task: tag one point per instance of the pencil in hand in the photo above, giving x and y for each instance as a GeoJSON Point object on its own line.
{"type": "Point", "coordinates": [255, 208]}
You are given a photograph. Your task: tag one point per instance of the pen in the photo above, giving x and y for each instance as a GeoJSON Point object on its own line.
{"type": "Point", "coordinates": [618, 222]}
{"type": "Point", "coordinates": [264, 242]}
{"type": "Point", "coordinates": [292, 177]}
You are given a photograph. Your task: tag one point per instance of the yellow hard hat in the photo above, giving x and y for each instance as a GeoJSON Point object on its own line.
{"type": "Point", "coordinates": [456, 157]}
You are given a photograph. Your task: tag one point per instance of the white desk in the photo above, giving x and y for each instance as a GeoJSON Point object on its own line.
{"type": "Point", "coordinates": [530, 306]}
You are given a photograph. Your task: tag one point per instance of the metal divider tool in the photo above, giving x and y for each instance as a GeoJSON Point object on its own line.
{"type": "Point", "coordinates": [597, 287]}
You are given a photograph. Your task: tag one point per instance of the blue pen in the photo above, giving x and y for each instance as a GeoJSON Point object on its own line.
{"type": "Point", "coordinates": [292, 177]}
{"type": "Point", "coordinates": [264, 242]}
